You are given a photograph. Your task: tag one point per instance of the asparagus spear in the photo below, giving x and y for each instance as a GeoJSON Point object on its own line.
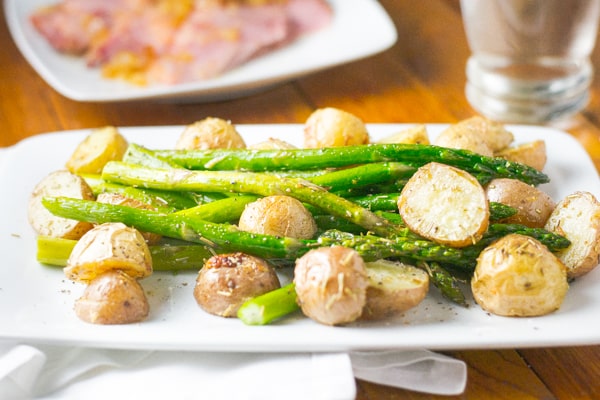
{"type": "Point", "coordinates": [483, 167]}
{"type": "Point", "coordinates": [265, 308]}
{"type": "Point", "coordinates": [245, 182]}
{"type": "Point", "coordinates": [165, 256]}
{"type": "Point", "coordinates": [226, 237]}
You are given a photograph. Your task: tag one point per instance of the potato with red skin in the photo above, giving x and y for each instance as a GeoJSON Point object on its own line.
{"type": "Point", "coordinates": [533, 205]}
{"type": "Point", "coordinates": [113, 297]}
{"type": "Point", "coordinates": [226, 281]}
{"type": "Point", "coordinates": [331, 285]}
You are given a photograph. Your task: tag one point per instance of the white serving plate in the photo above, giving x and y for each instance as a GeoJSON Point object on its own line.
{"type": "Point", "coordinates": [36, 301]}
{"type": "Point", "coordinates": [360, 28]}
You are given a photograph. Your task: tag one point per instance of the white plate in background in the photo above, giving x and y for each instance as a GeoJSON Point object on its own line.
{"type": "Point", "coordinates": [36, 302]}
{"type": "Point", "coordinates": [360, 28]}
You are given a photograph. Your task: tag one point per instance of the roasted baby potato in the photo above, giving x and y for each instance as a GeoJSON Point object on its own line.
{"type": "Point", "coordinates": [476, 134]}
{"type": "Point", "coordinates": [393, 288]}
{"type": "Point", "coordinates": [113, 297]}
{"type": "Point", "coordinates": [577, 217]}
{"type": "Point", "coordinates": [99, 147]}
{"type": "Point", "coordinates": [532, 154]}
{"type": "Point", "coordinates": [278, 216]}
{"type": "Point", "coordinates": [331, 127]}
{"type": "Point", "coordinates": [414, 135]}
{"type": "Point", "coordinates": [518, 276]}
{"type": "Point", "coordinates": [210, 133]}
{"type": "Point", "coordinates": [331, 285]}
{"type": "Point", "coordinates": [533, 205]}
{"type": "Point", "coordinates": [55, 184]}
{"type": "Point", "coordinates": [106, 247]}
{"type": "Point", "coordinates": [226, 281]}
{"type": "Point", "coordinates": [445, 204]}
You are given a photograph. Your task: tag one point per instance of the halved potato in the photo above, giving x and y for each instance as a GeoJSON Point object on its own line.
{"type": "Point", "coordinates": [99, 147]}
{"type": "Point", "coordinates": [393, 288]}
{"type": "Point", "coordinates": [533, 205]}
{"type": "Point", "coordinates": [106, 247]}
{"type": "Point", "coordinates": [445, 204]}
{"type": "Point", "coordinates": [112, 298]}
{"type": "Point", "coordinates": [272, 144]}
{"type": "Point", "coordinates": [56, 184]}
{"type": "Point", "coordinates": [577, 217]}
{"type": "Point", "coordinates": [532, 154]}
{"type": "Point", "coordinates": [518, 276]}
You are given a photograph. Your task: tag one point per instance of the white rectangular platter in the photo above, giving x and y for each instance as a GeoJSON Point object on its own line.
{"type": "Point", "coordinates": [36, 301]}
{"type": "Point", "coordinates": [360, 28]}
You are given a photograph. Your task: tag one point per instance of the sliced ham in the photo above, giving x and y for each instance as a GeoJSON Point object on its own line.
{"type": "Point", "coordinates": [176, 40]}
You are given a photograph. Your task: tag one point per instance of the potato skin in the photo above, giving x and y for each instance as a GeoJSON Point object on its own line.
{"type": "Point", "coordinates": [518, 276]}
{"type": "Point", "coordinates": [393, 288]}
{"type": "Point", "coordinates": [476, 134]}
{"type": "Point", "coordinates": [332, 127]}
{"type": "Point", "coordinates": [532, 154]}
{"type": "Point", "coordinates": [99, 147]}
{"type": "Point", "coordinates": [227, 281]}
{"type": "Point", "coordinates": [533, 205]}
{"type": "Point", "coordinates": [112, 298]}
{"type": "Point", "coordinates": [109, 246]}
{"type": "Point", "coordinates": [331, 284]}
{"type": "Point", "coordinates": [279, 216]}
{"type": "Point", "coordinates": [58, 183]}
{"type": "Point", "coordinates": [210, 133]}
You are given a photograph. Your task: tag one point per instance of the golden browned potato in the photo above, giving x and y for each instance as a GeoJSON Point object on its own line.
{"type": "Point", "coordinates": [577, 217]}
{"type": "Point", "coordinates": [532, 154]}
{"type": "Point", "coordinates": [272, 144]}
{"type": "Point", "coordinates": [99, 147]}
{"type": "Point", "coordinates": [414, 135]}
{"type": "Point", "coordinates": [55, 184]}
{"type": "Point", "coordinates": [278, 216]}
{"type": "Point", "coordinates": [121, 200]}
{"type": "Point", "coordinates": [331, 127]}
{"type": "Point", "coordinates": [518, 276]}
{"type": "Point", "coordinates": [226, 281]}
{"type": "Point", "coordinates": [533, 205]}
{"type": "Point", "coordinates": [445, 204]}
{"type": "Point", "coordinates": [393, 288]}
{"type": "Point", "coordinates": [106, 247]}
{"type": "Point", "coordinates": [331, 284]}
{"type": "Point", "coordinates": [210, 133]}
{"type": "Point", "coordinates": [113, 298]}
{"type": "Point", "coordinates": [476, 134]}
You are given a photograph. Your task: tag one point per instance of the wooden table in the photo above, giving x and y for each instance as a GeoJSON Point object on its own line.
{"type": "Point", "coordinates": [420, 79]}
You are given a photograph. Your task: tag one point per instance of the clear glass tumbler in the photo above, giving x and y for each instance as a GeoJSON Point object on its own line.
{"type": "Point", "coordinates": [530, 58]}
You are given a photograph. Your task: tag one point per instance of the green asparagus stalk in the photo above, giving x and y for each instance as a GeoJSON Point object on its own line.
{"type": "Point", "coordinates": [226, 237]}
{"type": "Point", "coordinates": [363, 175]}
{"type": "Point", "coordinates": [486, 168]}
{"type": "Point", "coordinates": [246, 182]}
{"type": "Point", "coordinates": [270, 306]}
{"type": "Point", "coordinates": [165, 257]}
